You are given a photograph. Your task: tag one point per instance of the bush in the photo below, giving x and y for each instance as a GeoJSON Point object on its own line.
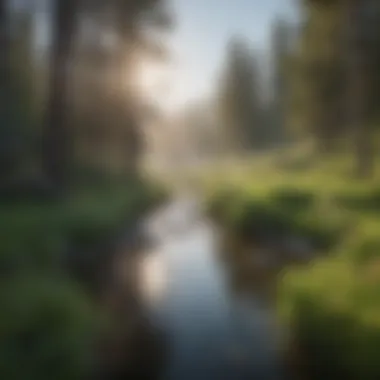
{"type": "Point", "coordinates": [364, 250]}
{"type": "Point", "coordinates": [323, 232]}
{"type": "Point", "coordinates": [47, 329]}
{"type": "Point", "coordinates": [47, 324]}
{"type": "Point", "coordinates": [31, 238]}
{"type": "Point", "coordinates": [368, 201]}
{"type": "Point", "coordinates": [284, 213]}
{"type": "Point", "coordinates": [259, 220]}
{"type": "Point", "coordinates": [332, 304]}
{"type": "Point", "coordinates": [293, 199]}
{"type": "Point", "coordinates": [334, 311]}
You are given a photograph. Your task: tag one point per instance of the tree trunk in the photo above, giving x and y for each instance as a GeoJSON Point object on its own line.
{"type": "Point", "coordinates": [362, 128]}
{"type": "Point", "coordinates": [3, 33]}
{"type": "Point", "coordinates": [364, 152]}
{"type": "Point", "coordinates": [6, 162]}
{"type": "Point", "coordinates": [56, 134]}
{"type": "Point", "coordinates": [358, 77]}
{"type": "Point", "coordinates": [4, 55]}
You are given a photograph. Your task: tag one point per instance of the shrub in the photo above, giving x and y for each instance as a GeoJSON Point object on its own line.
{"type": "Point", "coordinates": [31, 238]}
{"type": "Point", "coordinates": [368, 200]}
{"type": "Point", "coordinates": [334, 311]}
{"type": "Point", "coordinates": [293, 199]}
{"type": "Point", "coordinates": [259, 220]}
{"type": "Point", "coordinates": [47, 329]}
{"type": "Point", "coordinates": [323, 232]}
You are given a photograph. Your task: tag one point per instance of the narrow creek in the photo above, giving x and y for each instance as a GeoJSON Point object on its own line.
{"type": "Point", "coordinates": [212, 329]}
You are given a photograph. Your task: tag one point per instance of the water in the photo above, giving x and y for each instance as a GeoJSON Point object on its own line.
{"type": "Point", "coordinates": [212, 331]}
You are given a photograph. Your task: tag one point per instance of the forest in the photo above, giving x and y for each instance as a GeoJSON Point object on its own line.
{"type": "Point", "coordinates": [316, 190]}
{"type": "Point", "coordinates": [294, 173]}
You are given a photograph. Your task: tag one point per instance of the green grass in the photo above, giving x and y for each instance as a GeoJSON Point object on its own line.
{"type": "Point", "coordinates": [332, 304]}
{"type": "Point", "coordinates": [277, 213]}
{"type": "Point", "coordinates": [47, 327]}
{"type": "Point", "coordinates": [37, 234]}
{"type": "Point", "coordinates": [48, 321]}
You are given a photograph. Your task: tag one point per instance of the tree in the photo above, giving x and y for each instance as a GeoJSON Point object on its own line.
{"type": "Point", "coordinates": [107, 87]}
{"type": "Point", "coordinates": [137, 24]}
{"type": "Point", "coordinates": [281, 50]}
{"type": "Point", "coordinates": [56, 135]}
{"type": "Point", "coordinates": [4, 75]}
{"type": "Point", "coordinates": [4, 39]}
{"type": "Point", "coordinates": [237, 99]}
{"type": "Point", "coordinates": [17, 103]}
{"type": "Point", "coordinates": [317, 73]}
{"type": "Point", "coordinates": [335, 74]}
{"type": "Point", "coordinates": [107, 103]}
{"type": "Point", "coordinates": [363, 58]}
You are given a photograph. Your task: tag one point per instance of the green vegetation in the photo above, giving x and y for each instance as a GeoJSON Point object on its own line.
{"type": "Point", "coordinates": [70, 184]}
{"type": "Point", "coordinates": [326, 90]}
{"type": "Point", "coordinates": [331, 305]}
{"type": "Point", "coordinates": [47, 329]}
{"type": "Point", "coordinates": [50, 256]}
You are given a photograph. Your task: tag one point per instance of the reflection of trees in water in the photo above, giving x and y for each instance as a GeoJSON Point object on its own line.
{"type": "Point", "coordinates": [135, 350]}
{"type": "Point", "coordinates": [250, 271]}
{"type": "Point", "coordinates": [132, 348]}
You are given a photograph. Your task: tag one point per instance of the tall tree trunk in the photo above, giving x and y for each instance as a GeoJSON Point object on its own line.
{"type": "Point", "coordinates": [358, 77]}
{"type": "Point", "coordinates": [5, 162]}
{"type": "Point", "coordinates": [4, 53]}
{"type": "Point", "coordinates": [3, 30]}
{"type": "Point", "coordinates": [56, 134]}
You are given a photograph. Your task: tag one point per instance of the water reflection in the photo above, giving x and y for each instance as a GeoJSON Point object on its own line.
{"type": "Point", "coordinates": [215, 324]}
{"type": "Point", "coordinates": [153, 273]}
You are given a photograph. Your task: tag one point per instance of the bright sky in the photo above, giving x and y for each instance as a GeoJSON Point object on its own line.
{"type": "Point", "coordinates": [198, 44]}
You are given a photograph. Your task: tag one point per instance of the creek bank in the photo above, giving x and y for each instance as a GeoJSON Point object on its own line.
{"type": "Point", "coordinates": [130, 340]}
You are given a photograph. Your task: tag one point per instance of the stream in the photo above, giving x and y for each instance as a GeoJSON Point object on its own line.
{"type": "Point", "coordinates": [212, 329]}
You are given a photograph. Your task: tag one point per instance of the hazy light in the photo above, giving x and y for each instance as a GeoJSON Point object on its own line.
{"type": "Point", "coordinates": [153, 277]}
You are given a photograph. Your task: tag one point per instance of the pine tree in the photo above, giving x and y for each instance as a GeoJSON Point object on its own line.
{"type": "Point", "coordinates": [238, 103]}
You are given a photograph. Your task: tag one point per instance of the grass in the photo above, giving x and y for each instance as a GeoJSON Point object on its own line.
{"type": "Point", "coordinates": [44, 308]}
{"type": "Point", "coordinates": [332, 304]}
{"type": "Point", "coordinates": [38, 234]}
{"type": "Point", "coordinates": [279, 212]}
{"type": "Point", "coordinates": [47, 328]}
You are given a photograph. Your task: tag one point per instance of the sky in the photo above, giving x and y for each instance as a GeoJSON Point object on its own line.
{"type": "Point", "coordinates": [197, 45]}
{"type": "Point", "coordinates": [198, 42]}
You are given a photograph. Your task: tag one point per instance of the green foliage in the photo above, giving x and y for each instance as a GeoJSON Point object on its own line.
{"type": "Point", "coordinates": [316, 72]}
{"type": "Point", "coordinates": [333, 307]}
{"type": "Point", "coordinates": [293, 199]}
{"type": "Point", "coordinates": [238, 100]}
{"type": "Point", "coordinates": [366, 251]}
{"type": "Point", "coordinates": [258, 219]}
{"type": "Point", "coordinates": [18, 112]}
{"type": "Point", "coordinates": [47, 329]}
{"type": "Point", "coordinates": [284, 212]}
{"type": "Point", "coordinates": [330, 305]}
{"type": "Point", "coordinates": [31, 237]}
{"type": "Point", "coordinates": [47, 323]}
{"type": "Point", "coordinates": [367, 201]}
